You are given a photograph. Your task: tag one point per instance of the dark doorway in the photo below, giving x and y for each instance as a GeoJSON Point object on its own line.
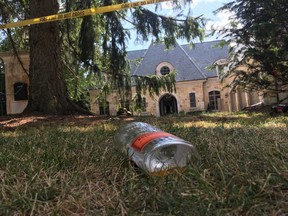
{"type": "Point", "coordinates": [168, 105]}
{"type": "Point", "coordinates": [2, 89]}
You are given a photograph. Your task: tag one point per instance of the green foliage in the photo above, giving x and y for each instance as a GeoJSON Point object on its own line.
{"type": "Point", "coordinates": [259, 58]}
{"type": "Point", "coordinates": [97, 44]}
{"type": "Point", "coordinates": [9, 10]}
{"type": "Point", "coordinates": [167, 29]}
{"type": "Point", "coordinates": [19, 39]}
{"type": "Point", "coordinates": [86, 40]}
{"type": "Point", "coordinates": [155, 84]}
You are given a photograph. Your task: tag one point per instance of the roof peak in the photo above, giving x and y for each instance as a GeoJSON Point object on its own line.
{"type": "Point", "coordinates": [176, 56]}
{"type": "Point", "coordinates": [181, 45]}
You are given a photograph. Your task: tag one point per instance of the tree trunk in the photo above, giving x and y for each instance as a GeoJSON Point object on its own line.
{"type": "Point", "coordinates": [48, 93]}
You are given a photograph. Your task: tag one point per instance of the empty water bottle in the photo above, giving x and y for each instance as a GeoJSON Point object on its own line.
{"type": "Point", "coordinates": [154, 150]}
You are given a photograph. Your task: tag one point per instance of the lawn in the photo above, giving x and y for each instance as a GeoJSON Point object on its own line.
{"type": "Point", "coordinates": [69, 166]}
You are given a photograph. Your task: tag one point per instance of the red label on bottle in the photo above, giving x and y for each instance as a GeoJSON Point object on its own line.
{"type": "Point", "coordinates": [141, 141]}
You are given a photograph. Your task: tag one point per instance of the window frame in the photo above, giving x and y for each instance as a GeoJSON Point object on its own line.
{"type": "Point", "coordinates": [192, 100]}
{"type": "Point", "coordinates": [213, 97]}
{"type": "Point", "coordinates": [104, 108]}
{"type": "Point", "coordinates": [166, 70]}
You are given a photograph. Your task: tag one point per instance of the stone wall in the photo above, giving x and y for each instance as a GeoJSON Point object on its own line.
{"type": "Point", "coordinates": [201, 88]}
{"type": "Point", "coordinates": [14, 73]}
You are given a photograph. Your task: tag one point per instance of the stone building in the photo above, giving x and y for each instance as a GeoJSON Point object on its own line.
{"type": "Point", "coordinates": [197, 87]}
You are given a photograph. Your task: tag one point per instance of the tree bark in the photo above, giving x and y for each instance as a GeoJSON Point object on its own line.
{"type": "Point", "coordinates": [48, 93]}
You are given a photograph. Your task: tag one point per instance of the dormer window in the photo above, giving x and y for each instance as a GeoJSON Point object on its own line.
{"type": "Point", "coordinates": [164, 70]}
{"type": "Point", "coordinates": [220, 64]}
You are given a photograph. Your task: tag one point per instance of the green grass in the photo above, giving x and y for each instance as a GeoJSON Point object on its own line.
{"type": "Point", "coordinates": [66, 169]}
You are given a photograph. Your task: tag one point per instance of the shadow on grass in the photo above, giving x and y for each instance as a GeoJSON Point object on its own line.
{"type": "Point", "coordinates": [22, 122]}
{"type": "Point", "coordinates": [13, 122]}
{"type": "Point", "coordinates": [74, 169]}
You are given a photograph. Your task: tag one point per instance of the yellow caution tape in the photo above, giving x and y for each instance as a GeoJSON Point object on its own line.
{"type": "Point", "coordinates": [79, 13]}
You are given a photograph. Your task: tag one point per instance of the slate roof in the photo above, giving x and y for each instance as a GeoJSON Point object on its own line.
{"type": "Point", "coordinates": [205, 54]}
{"type": "Point", "coordinates": [134, 57]}
{"type": "Point", "coordinates": [190, 63]}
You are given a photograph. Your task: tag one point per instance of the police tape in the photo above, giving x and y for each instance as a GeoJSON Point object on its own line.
{"type": "Point", "coordinates": [79, 13]}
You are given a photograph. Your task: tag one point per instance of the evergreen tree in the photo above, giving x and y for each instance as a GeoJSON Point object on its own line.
{"type": "Point", "coordinates": [64, 53]}
{"type": "Point", "coordinates": [259, 56]}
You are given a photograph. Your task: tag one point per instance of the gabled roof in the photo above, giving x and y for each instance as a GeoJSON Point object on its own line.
{"type": "Point", "coordinates": [205, 54]}
{"type": "Point", "coordinates": [134, 57]}
{"type": "Point", "coordinates": [190, 63]}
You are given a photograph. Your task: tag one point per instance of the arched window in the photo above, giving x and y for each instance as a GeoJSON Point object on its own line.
{"type": "Point", "coordinates": [192, 97]}
{"type": "Point", "coordinates": [164, 70]}
{"type": "Point", "coordinates": [213, 100]}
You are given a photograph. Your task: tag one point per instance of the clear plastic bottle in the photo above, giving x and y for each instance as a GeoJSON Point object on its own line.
{"type": "Point", "coordinates": [152, 149]}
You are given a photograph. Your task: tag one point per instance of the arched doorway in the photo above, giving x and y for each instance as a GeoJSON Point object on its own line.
{"type": "Point", "coordinates": [168, 105]}
{"type": "Point", "coordinates": [2, 89]}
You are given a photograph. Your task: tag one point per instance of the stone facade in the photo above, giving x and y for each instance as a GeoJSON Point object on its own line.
{"type": "Point", "coordinates": [197, 89]}
{"type": "Point", "coordinates": [16, 82]}
{"type": "Point", "coordinates": [228, 101]}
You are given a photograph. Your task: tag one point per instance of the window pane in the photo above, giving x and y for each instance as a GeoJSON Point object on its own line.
{"type": "Point", "coordinates": [192, 100]}
{"type": "Point", "coordinates": [213, 99]}
{"type": "Point", "coordinates": [165, 70]}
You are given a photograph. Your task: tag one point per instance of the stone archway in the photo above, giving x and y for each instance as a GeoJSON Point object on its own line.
{"type": "Point", "coordinates": [3, 110]}
{"type": "Point", "coordinates": [168, 105]}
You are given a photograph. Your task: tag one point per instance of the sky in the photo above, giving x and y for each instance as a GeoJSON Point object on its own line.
{"type": "Point", "coordinates": [198, 7]}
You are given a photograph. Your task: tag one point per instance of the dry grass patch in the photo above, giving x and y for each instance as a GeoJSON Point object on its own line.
{"type": "Point", "coordinates": [74, 169]}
